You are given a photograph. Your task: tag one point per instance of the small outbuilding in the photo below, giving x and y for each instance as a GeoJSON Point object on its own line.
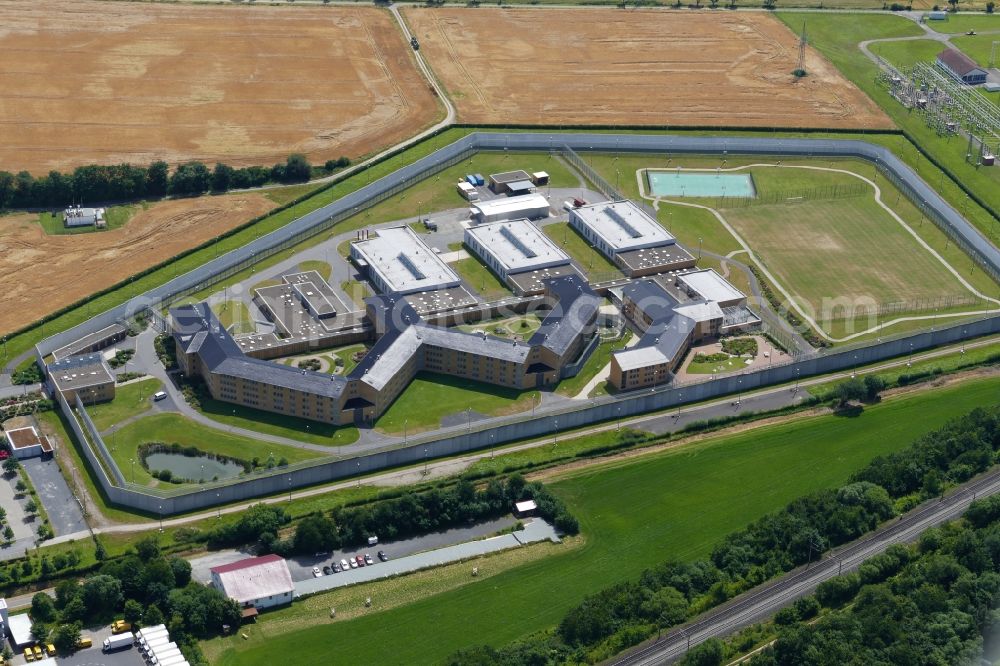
{"type": "Point", "coordinates": [258, 582]}
{"type": "Point", "coordinates": [525, 509]}
{"type": "Point", "coordinates": [19, 628]}
{"type": "Point", "coordinates": [28, 443]}
{"type": "Point", "coordinates": [961, 67]}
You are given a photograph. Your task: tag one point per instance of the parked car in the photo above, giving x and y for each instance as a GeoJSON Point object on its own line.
{"type": "Point", "coordinates": [85, 643]}
{"type": "Point", "coordinates": [50, 649]}
{"type": "Point", "coordinates": [159, 395]}
{"type": "Point", "coordinates": [344, 566]}
{"type": "Point", "coordinates": [38, 653]}
{"type": "Point", "coordinates": [327, 571]}
{"type": "Point", "coordinates": [28, 654]}
{"type": "Point", "coordinates": [382, 556]}
{"type": "Point", "coordinates": [336, 567]}
{"type": "Point", "coordinates": [354, 563]}
{"type": "Point", "coordinates": [120, 626]}
{"type": "Point", "coordinates": [368, 559]}
{"type": "Point", "coordinates": [316, 572]}
{"type": "Point", "coordinates": [360, 560]}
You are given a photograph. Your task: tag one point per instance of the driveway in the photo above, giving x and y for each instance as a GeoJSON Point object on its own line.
{"type": "Point", "coordinates": [16, 517]}
{"type": "Point", "coordinates": [62, 506]}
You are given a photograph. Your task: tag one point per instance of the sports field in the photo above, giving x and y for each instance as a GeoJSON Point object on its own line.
{"type": "Point", "coordinates": [87, 82]}
{"type": "Point", "coordinates": [633, 513]}
{"type": "Point", "coordinates": [606, 66]}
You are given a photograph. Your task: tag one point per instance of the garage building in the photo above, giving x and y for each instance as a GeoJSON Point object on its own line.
{"type": "Point", "coordinates": [528, 206]}
{"type": "Point", "coordinates": [256, 582]}
{"type": "Point", "coordinates": [961, 67]}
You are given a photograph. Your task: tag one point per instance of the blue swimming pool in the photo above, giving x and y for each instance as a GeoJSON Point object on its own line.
{"type": "Point", "coordinates": [700, 184]}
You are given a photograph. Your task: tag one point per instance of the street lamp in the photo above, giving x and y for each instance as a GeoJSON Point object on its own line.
{"type": "Point", "coordinates": [132, 460]}
{"type": "Point", "coordinates": [218, 501]}
{"type": "Point", "coordinates": [425, 462]}
{"type": "Point", "coordinates": [161, 516]}
{"type": "Point", "coordinates": [555, 431]}
{"type": "Point", "coordinates": [405, 421]}
{"type": "Point", "coordinates": [289, 489]}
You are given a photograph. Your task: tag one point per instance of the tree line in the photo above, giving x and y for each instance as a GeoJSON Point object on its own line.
{"type": "Point", "coordinates": [932, 603]}
{"type": "Point", "coordinates": [627, 613]}
{"type": "Point", "coordinates": [97, 183]}
{"type": "Point", "coordinates": [145, 588]}
{"type": "Point", "coordinates": [402, 516]}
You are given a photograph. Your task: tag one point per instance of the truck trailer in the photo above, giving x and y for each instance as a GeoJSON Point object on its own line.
{"type": "Point", "coordinates": [118, 642]}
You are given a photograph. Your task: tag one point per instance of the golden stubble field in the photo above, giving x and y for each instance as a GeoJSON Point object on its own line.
{"type": "Point", "coordinates": [636, 67]}
{"type": "Point", "coordinates": [107, 82]}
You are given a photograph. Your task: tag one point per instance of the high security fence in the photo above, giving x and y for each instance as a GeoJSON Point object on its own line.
{"type": "Point", "coordinates": [495, 431]}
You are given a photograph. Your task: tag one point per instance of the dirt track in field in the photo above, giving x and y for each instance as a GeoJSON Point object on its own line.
{"type": "Point", "coordinates": [639, 67]}
{"type": "Point", "coordinates": [42, 273]}
{"type": "Point", "coordinates": [109, 82]}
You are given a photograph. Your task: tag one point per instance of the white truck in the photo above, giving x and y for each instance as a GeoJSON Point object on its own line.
{"type": "Point", "coordinates": [177, 660]}
{"type": "Point", "coordinates": [147, 638]}
{"type": "Point", "coordinates": [146, 632]}
{"type": "Point", "coordinates": [119, 642]}
{"type": "Point", "coordinates": [155, 644]}
{"type": "Point", "coordinates": [165, 655]}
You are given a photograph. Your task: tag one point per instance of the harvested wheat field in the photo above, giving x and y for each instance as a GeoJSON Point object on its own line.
{"type": "Point", "coordinates": [642, 67]}
{"type": "Point", "coordinates": [108, 82]}
{"type": "Point", "coordinates": [43, 273]}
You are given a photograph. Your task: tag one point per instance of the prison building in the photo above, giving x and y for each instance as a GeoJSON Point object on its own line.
{"type": "Point", "coordinates": [696, 306]}
{"type": "Point", "coordinates": [83, 217]}
{"type": "Point", "coordinates": [314, 293]}
{"type": "Point", "coordinates": [512, 183]}
{"type": "Point", "coordinates": [514, 247]}
{"type": "Point", "coordinates": [961, 67]}
{"type": "Point", "coordinates": [629, 237]}
{"type": "Point", "coordinates": [405, 345]}
{"type": "Point", "coordinates": [27, 442]}
{"type": "Point", "coordinates": [396, 261]}
{"type": "Point", "coordinates": [93, 342]}
{"type": "Point", "coordinates": [528, 206]}
{"type": "Point", "coordinates": [86, 375]}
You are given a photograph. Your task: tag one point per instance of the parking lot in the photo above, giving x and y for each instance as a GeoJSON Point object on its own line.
{"type": "Point", "coordinates": [63, 508]}
{"type": "Point", "coordinates": [94, 656]}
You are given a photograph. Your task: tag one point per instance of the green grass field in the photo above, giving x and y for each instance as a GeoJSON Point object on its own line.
{"type": "Point", "coordinates": [129, 401]}
{"type": "Point", "coordinates": [521, 325]}
{"type": "Point", "coordinates": [430, 397]}
{"type": "Point", "coordinates": [731, 364]}
{"type": "Point", "coordinates": [905, 54]}
{"type": "Point", "coordinates": [170, 428]}
{"type": "Point", "coordinates": [599, 358]}
{"type": "Point", "coordinates": [320, 267]}
{"type": "Point", "coordinates": [577, 247]}
{"type": "Point", "coordinates": [480, 278]}
{"type": "Point", "coordinates": [961, 23]}
{"type": "Point", "coordinates": [633, 514]}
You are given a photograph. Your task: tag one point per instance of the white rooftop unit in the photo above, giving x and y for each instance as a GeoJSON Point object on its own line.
{"type": "Point", "coordinates": [513, 247]}
{"type": "Point", "coordinates": [619, 226]}
{"type": "Point", "coordinates": [530, 206]}
{"type": "Point", "coordinates": [400, 263]}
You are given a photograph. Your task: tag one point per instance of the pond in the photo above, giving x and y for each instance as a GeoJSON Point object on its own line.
{"type": "Point", "coordinates": [700, 184]}
{"type": "Point", "coordinates": [194, 468]}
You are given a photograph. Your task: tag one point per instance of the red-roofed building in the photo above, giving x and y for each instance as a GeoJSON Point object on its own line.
{"type": "Point", "coordinates": [961, 67]}
{"type": "Point", "coordinates": [258, 582]}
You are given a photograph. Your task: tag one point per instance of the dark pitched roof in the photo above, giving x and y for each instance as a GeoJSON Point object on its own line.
{"type": "Point", "coordinates": [958, 62]}
{"type": "Point", "coordinates": [575, 307]}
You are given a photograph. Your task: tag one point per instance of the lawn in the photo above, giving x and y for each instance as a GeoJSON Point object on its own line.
{"type": "Point", "coordinates": [731, 364]}
{"type": "Point", "coordinates": [480, 278]}
{"type": "Point", "coordinates": [978, 47]}
{"type": "Point", "coordinates": [282, 195]}
{"type": "Point", "coordinates": [599, 358]}
{"type": "Point", "coordinates": [170, 428]}
{"type": "Point", "coordinates": [903, 55]}
{"type": "Point", "coordinates": [506, 327]}
{"type": "Point", "coordinates": [577, 247]}
{"type": "Point", "coordinates": [115, 216]}
{"type": "Point", "coordinates": [430, 397]}
{"type": "Point", "coordinates": [234, 316]}
{"type": "Point", "coordinates": [633, 513]}
{"type": "Point", "coordinates": [130, 400]}
{"type": "Point", "coordinates": [961, 23]}
{"type": "Point", "coordinates": [282, 425]}
{"type": "Point", "coordinates": [346, 355]}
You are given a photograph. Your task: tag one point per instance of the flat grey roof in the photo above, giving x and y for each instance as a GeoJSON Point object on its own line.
{"type": "Point", "coordinates": [517, 245]}
{"type": "Point", "coordinates": [711, 286]}
{"type": "Point", "coordinates": [510, 176]}
{"type": "Point", "coordinates": [89, 340]}
{"type": "Point", "coordinates": [76, 372]}
{"type": "Point", "coordinates": [534, 280]}
{"type": "Point", "coordinates": [404, 262]}
{"type": "Point", "coordinates": [663, 256]}
{"type": "Point", "coordinates": [512, 206]}
{"type": "Point", "coordinates": [623, 225]}
{"type": "Point", "coordinates": [312, 288]}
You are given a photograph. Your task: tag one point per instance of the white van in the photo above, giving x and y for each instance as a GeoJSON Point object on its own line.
{"type": "Point", "coordinates": [159, 395]}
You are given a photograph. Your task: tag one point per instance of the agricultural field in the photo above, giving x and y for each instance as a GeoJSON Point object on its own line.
{"type": "Point", "coordinates": [170, 428]}
{"type": "Point", "coordinates": [633, 512]}
{"type": "Point", "coordinates": [639, 67]}
{"type": "Point", "coordinates": [44, 273]}
{"type": "Point", "coordinates": [92, 82]}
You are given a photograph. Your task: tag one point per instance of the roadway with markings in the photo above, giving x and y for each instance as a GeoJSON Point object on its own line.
{"type": "Point", "coordinates": [762, 602]}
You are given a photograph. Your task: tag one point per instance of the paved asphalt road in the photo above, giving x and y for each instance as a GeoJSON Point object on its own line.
{"type": "Point", "coordinates": [63, 508]}
{"type": "Point", "coordinates": [762, 602]}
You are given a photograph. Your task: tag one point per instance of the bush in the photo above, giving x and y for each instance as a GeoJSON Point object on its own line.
{"type": "Point", "coordinates": [838, 590]}
{"type": "Point", "coordinates": [739, 346]}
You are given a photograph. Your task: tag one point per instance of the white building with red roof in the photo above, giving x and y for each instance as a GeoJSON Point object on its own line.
{"type": "Point", "coordinates": [258, 582]}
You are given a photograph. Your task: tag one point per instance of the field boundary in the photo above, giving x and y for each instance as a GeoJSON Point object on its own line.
{"type": "Point", "coordinates": [498, 430]}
